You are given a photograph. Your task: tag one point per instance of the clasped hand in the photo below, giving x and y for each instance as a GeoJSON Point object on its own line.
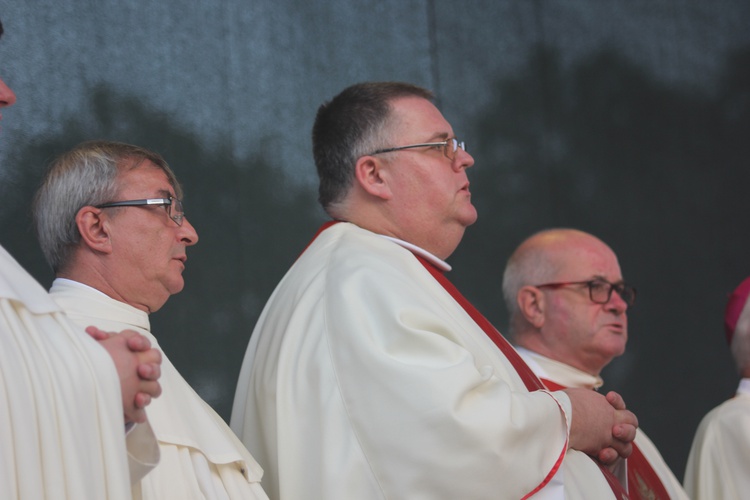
{"type": "Point", "coordinates": [138, 366]}
{"type": "Point", "coordinates": [601, 426]}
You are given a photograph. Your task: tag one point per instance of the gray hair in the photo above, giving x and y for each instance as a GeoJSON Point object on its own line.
{"type": "Point", "coordinates": [353, 124]}
{"type": "Point", "coordinates": [525, 267]}
{"type": "Point", "coordinates": [84, 176]}
{"type": "Point", "coordinates": [532, 263]}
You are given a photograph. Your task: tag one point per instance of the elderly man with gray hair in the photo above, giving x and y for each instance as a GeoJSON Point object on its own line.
{"type": "Point", "coordinates": [110, 221]}
{"type": "Point", "coordinates": [718, 460]}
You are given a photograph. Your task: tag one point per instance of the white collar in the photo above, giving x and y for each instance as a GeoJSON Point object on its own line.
{"type": "Point", "coordinates": [439, 263]}
{"type": "Point", "coordinates": [78, 284]}
{"type": "Point", "coordinates": [559, 372]}
{"type": "Point", "coordinates": [744, 387]}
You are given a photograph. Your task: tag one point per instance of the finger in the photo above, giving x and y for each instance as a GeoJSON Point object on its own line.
{"type": "Point", "coordinates": [149, 371]}
{"type": "Point", "coordinates": [142, 400]}
{"type": "Point", "coordinates": [622, 448]}
{"type": "Point", "coordinates": [624, 432]}
{"type": "Point", "coordinates": [152, 356]}
{"type": "Point", "coordinates": [616, 400]}
{"type": "Point", "coordinates": [97, 334]}
{"type": "Point", "coordinates": [137, 342]}
{"type": "Point", "coordinates": [626, 417]}
{"type": "Point", "coordinates": [150, 387]}
{"type": "Point", "coordinates": [608, 456]}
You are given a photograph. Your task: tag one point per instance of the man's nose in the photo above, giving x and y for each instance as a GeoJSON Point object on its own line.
{"type": "Point", "coordinates": [188, 233]}
{"type": "Point", "coordinates": [7, 97]}
{"type": "Point", "coordinates": [462, 160]}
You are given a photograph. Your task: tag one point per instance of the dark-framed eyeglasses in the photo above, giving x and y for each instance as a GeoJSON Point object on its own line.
{"type": "Point", "coordinates": [600, 291]}
{"type": "Point", "coordinates": [449, 147]}
{"type": "Point", "coordinates": [172, 204]}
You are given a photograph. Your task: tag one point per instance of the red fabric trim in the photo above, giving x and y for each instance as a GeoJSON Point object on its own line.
{"type": "Point", "coordinates": [530, 380]}
{"type": "Point", "coordinates": [322, 228]}
{"type": "Point", "coordinates": [552, 386]}
{"type": "Point", "coordinates": [643, 482]}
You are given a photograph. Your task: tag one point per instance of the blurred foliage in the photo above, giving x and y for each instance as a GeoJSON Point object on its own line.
{"type": "Point", "coordinates": [655, 169]}
{"type": "Point", "coordinates": [660, 173]}
{"type": "Point", "coordinates": [252, 222]}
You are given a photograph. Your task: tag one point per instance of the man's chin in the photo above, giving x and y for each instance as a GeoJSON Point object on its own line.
{"type": "Point", "coordinates": [172, 289]}
{"type": "Point", "coordinates": [469, 217]}
{"type": "Point", "coordinates": [616, 349]}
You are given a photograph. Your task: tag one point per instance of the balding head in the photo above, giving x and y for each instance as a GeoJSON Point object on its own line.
{"type": "Point", "coordinates": [562, 322]}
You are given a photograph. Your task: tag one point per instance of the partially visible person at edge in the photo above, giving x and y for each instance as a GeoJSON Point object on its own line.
{"type": "Point", "coordinates": [717, 466]}
{"type": "Point", "coordinates": [568, 305]}
{"type": "Point", "coordinates": [110, 222]}
{"type": "Point", "coordinates": [368, 375]}
{"type": "Point", "coordinates": [63, 397]}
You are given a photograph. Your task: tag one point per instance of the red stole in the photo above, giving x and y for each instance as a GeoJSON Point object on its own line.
{"type": "Point", "coordinates": [532, 382]}
{"type": "Point", "coordinates": [643, 482]}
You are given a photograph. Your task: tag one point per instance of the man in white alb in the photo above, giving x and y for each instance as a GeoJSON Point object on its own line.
{"type": "Point", "coordinates": [110, 222]}
{"type": "Point", "coordinates": [368, 375]}
{"type": "Point", "coordinates": [720, 454]}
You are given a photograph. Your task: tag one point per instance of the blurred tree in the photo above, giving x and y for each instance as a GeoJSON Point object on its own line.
{"type": "Point", "coordinates": [252, 222]}
{"type": "Point", "coordinates": [602, 146]}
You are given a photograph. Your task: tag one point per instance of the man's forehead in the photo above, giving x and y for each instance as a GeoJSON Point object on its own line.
{"type": "Point", "coordinates": [138, 174]}
{"type": "Point", "coordinates": [588, 260]}
{"type": "Point", "coordinates": [418, 114]}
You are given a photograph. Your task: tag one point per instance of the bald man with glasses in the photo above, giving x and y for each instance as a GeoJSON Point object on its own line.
{"type": "Point", "coordinates": [568, 309]}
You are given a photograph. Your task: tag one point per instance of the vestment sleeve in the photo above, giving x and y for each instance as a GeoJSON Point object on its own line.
{"type": "Point", "coordinates": [422, 384]}
{"type": "Point", "coordinates": [717, 465]}
{"type": "Point", "coordinates": [143, 451]}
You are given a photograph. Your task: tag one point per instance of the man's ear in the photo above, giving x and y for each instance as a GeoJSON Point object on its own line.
{"type": "Point", "coordinates": [93, 226]}
{"type": "Point", "coordinates": [531, 305]}
{"type": "Point", "coordinates": [373, 177]}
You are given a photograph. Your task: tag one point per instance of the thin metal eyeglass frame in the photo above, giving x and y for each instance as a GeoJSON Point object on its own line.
{"type": "Point", "coordinates": [456, 144]}
{"type": "Point", "coordinates": [620, 288]}
{"type": "Point", "coordinates": [168, 202]}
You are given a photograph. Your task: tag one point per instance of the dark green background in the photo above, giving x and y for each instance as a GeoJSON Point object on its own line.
{"type": "Point", "coordinates": [627, 119]}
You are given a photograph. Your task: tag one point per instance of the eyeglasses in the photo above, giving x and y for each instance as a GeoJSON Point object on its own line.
{"type": "Point", "coordinates": [600, 291]}
{"type": "Point", "coordinates": [172, 204]}
{"type": "Point", "coordinates": [449, 147]}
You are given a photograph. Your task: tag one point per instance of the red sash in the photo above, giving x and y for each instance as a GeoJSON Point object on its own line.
{"type": "Point", "coordinates": [643, 482]}
{"type": "Point", "coordinates": [532, 382]}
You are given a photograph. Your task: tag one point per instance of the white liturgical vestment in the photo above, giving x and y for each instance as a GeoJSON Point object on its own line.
{"type": "Point", "coordinates": [201, 458]}
{"type": "Point", "coordinates": [719, 462]}
{"type": "Point", "coordinates": [62, 434]}
{"type": "Point", "coordinates": [568, 376]}
{"type": "Point", "coordinates": [365, 379]}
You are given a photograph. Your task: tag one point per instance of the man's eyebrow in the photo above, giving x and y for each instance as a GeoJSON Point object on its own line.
{"type": "Point", "coordinates": [599, 277]}
{"type": "Point", "coordinates": [165, 193]}
{"type": "Point", "coordinates": [438, 137]}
